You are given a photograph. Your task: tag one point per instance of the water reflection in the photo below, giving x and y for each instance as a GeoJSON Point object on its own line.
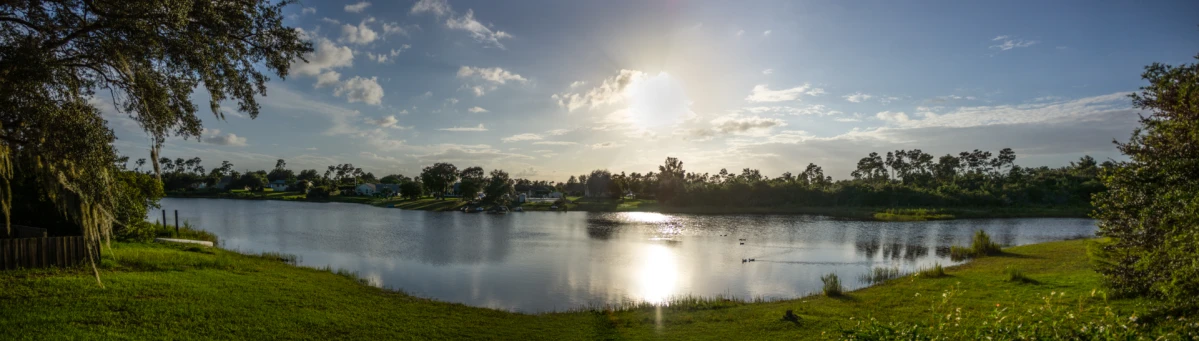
{"type": "Point", "coordinates": [538, 261]}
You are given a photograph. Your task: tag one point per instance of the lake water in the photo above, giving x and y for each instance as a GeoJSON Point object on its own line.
{"type": "Point", "coordinates": [553, 261]}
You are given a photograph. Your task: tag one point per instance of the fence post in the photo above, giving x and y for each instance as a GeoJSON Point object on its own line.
{"type": "Point", "coordinates": [176, 223]}
{"type": "Point", "coordinates": [164, 219]}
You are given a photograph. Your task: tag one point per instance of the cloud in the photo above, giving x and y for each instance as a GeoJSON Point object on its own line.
{"type": "Point", "coordinates": [740, 33]}
{"type": "Point", "coordinates": [358, 89]}
{"type": "Point", "coordinates": [606, 145]}
{"type": "Point", "coordinates": [1010, 42]}
{"type": "Point", "coordinates": [494, 75]}
{"type": "Point", "coordinates": [767, 71]}
{"type": "Point", "coordinates": [325, 56]}
{"type": "Point", "coordinates": [857, 97]}
{"type": "Point", "coordinates": [522, 137]}
{"type": "Point", "coordinates": [327, 78]}
{"type": "Point", "coordinates": [556, 143]}
{"type": "Point", "coordinates": [1043, 112]}
{"type": "Point", "coordinates": [214, 136]}
{"type": "Point", "coordinates": [477, 30]}
{"type": "Point", "coordinates": [488, 78]}
{"type": "Point", "coordinates": [609, 92]}
{"type": "Point", "coordinates": [814, 110]}
{"type": "Point", "coordinates": [898, 117]}
{"type": "Point", "coordinates": [308, 10]}
{"type": "Point", "coordinates": [394, 28]}
{"type": "Point", "coordinates": [360, 34]}
{"type": "Point", "coordinates": [766, 33]}
{"type": "Point", "coordinates": [387, 57]}
{"type": "Point", "coordinates": [358, 7]}
{"type": "Point", "coordinates": [466, 22]}
{"type": "Point", "coordinates": [763, 93]}
{"type": "Point", "coordinates": [331, 21]}
{"type": "Point", "coordinates": [477, 110]}
{"type": "Point", "coordinates": [439, 8]}
{"type": "Point", "coordinates": [576, 84]}
{"type": "Point", "coordinates": [386, 122]}
{"type": "Point", "coordinates": [460, 129]}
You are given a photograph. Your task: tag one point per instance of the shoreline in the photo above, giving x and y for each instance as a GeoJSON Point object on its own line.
{"type": "Point", "coordinates": [635, 205]}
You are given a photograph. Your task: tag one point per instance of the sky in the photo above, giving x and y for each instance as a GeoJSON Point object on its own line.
{"type": "Point", "coordinates": [546, 89]}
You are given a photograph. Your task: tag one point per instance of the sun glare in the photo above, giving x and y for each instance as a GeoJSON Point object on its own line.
{"type": "Point", "coordinates": [658, 102]}
{"type": "Point", "coordinates": [658, 276]}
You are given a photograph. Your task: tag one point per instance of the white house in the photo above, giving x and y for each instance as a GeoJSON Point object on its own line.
{"type": "Point", "coordinates": [365, 189]}
{"type": "Point", "coordinates": [278, 185]}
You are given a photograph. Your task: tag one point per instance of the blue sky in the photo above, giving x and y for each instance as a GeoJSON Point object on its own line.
{"type": "Point", "coordinates": [547, 89]}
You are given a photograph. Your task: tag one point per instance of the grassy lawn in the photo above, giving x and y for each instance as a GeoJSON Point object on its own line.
{"type": "Point", "coordinates": [172, 292]}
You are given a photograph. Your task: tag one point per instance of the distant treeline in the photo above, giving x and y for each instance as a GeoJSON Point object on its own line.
{"type": "Point", "coordinates": [902, 178]}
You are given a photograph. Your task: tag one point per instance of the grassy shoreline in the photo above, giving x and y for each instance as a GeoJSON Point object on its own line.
{"type": "Point", "coordinates": [637, 205]}
{"type": "Point", "coordinates": [178, 292]}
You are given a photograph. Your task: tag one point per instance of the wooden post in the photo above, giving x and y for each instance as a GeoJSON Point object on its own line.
{"type": "Point", "coordinates": [164, 218]}
{"type": "Point", "coordinates": [176, 223]}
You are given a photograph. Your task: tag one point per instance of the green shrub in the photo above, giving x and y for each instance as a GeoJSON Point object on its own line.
{"type": "Point", "coordinates": [912, 214]}
{"type": "Point", "coordinates": [832, 285]}
{"type": "Point", "coordinates": [140, 231]}
{"type": "Point", "coordinates": [1017, 275]}
{"type": "Point", "coordinates": [980, 246]}
{"type": "Point", "coordinates": [932, 272]}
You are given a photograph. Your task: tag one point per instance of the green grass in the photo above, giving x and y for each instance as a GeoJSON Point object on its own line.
{"type": "Point", "coordinates": [161, 291]}
{"type": "Point", "coordinates": [912, 214]}
{"type": "Point", "coordinates": [980, 246]}
{"type": "Point", "coordinates": [935, 271]}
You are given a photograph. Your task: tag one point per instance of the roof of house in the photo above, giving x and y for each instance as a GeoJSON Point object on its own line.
{"type": "Point", "coordinates": [371, 186]}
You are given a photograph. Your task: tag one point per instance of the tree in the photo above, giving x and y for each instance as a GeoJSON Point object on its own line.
{"type": "Point", "coordinates": [150, 56]}
{"type": "Point", "coordinates": [472, 182]}
{"type": "Point", "coordinates": [438, 178]}
{"type": "Point", "coordinates": [1151, 207]}
{"type": "Point", "coordinates": [599, 183]}
{"type": "Point", "coordinates": [411, 190]}
{"type": "Point", "coordinates": [308, 175]}
{"type": "Point", "coordinates": [253, 181]}
{"type": "Point", "coordinates": [670, 180]}
{"type": "Point", "coordinates": [499, 186]}
{"type": "Point", "coordinates": [281, 173]}
{"type": "Point", "coordinates": [394, 179]}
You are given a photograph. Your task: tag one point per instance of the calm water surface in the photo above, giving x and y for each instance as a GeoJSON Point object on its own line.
{"type": "Point", "coordinates": [546, 261]}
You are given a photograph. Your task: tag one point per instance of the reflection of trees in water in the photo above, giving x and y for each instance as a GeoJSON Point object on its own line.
{"type": "Point", "coordinates": [454, 238]}
{"type": "Point", "coordinates": [868, 247]}
{"type": "Point", "coordinates": [912, 252]}
{"type": "Point", "coordinates": [942, 251]}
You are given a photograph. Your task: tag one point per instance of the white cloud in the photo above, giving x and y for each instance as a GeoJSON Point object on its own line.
{"type": "Point", "coordinates": [358, 7]}
{"type": "Point", "coordinates": [1043, 112]}
{"type": "Point", "coordinates": [477, 30]}
{"type": "Point", "coordinates": [555, 143]}
{"type": "Point", "coordinates": [814, 110]}
{"type": "Point", "coordinates": [897, 117]}
{"type": "Point", "coordinates": [494, 75]}
{"type": "Point", "coordinates": [740, 33]}
{"type": "Point", "coordinates": [477, 110]}
{"type": "Point", "coordinates": [473, 129]}
{"type": "Point", "coordinates": [606, 145]}
{"type": "Point", "coordinates": [214, 136]}
{"type": "Point", "coordinates": [522, 137]}
{"type": "Point", "coordinates": [738, 124]}
{"type": "Point", "coordinates": [466, 22]}
{"type": "Point", "coordinates": [358, 89]}
{"type": "Point", "coordinates": [331, 21]}
{"type": "Point", "coordinates": [394, 28]}
{"type": "Point", "coordinates": [609, 92]}
{"type": "Point", "coordinates": [763, 93]}
{"type": "Point", "coordinates": [327, 78]}
{"type": "Point", "coordinates": [386, 122]}
{"type": "Point", "coordinates": [308, 10]}
{"type": "Point", "coordinates": [857, 97]}
{"type": "Point", "coordinates": [766, 33]}
{"type": "Point", "coordinates": [360, 34]}
{"type": "Point", "coordinates": [325, 55]}
{"type": "Point", "coordinates": [439, 8]}
{"type": "Point", "coordinates": [1009, 42]}
{"type": "Point", "coordinates": [767, 71]}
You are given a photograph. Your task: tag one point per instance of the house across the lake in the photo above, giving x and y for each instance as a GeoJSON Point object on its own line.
{"type": "Point", "coordinates": [279, 185]}
{"type": "Point", "coordinates": [365, 189]}
{"type": "Point", "coordinates": [224, 183]}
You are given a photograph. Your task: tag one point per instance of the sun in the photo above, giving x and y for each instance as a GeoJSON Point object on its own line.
{"type": "Point", "coordinates": [658, 102]}
{"type": "Point", "coordinates": [658, 274]}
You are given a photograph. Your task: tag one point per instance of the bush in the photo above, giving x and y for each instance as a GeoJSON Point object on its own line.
{"type": "Point", "coordinates": [1017, 275]}
{"type": "Point", "coordinates": [138, 232]}
{"type": "Point", "coordinates": [932, 272]}
{"type": "Point", "coordinates": [980, 246]}
{"type": "Point", "coordinates": [880, 274]}
{"type": "Point", "coordinates": [832, 285]}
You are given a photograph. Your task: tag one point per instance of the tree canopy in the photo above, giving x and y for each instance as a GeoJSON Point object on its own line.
{"type": "Point", "coordinates": [60, 59]}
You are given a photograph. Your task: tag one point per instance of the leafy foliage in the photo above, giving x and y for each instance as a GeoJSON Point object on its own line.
{"type": "Point", "coordinates": [1151, 208]}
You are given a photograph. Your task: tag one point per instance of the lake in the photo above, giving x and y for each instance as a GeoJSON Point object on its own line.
{"type": "Point", "coordinates": [554, 261]}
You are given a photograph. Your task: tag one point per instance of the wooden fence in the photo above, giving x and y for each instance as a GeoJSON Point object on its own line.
{"type": "Point", "coordinates": [41, 252]}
